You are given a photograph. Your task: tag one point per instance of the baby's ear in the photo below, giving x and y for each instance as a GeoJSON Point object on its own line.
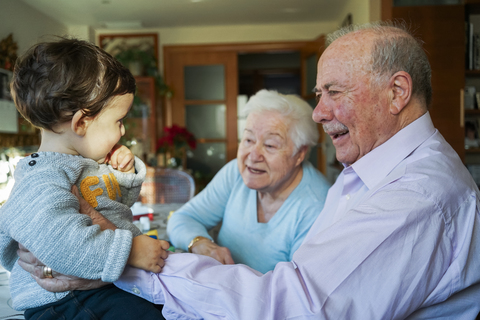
{"type": "Point", "coordinates": [80, 123]}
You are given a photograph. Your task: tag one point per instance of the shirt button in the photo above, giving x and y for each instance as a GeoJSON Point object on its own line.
{"type": "Point", "coordinates": [136, 290]}
{"type": "Point", "coordinates": [32, 163]}
{"type": "Point", "coordinates": [347, 196]}
{"type": "Point", "coordinates": [34, 155]}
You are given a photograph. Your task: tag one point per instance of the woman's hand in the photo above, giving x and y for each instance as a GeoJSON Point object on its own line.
{"type": "Point", "coordinates": [208, 248]}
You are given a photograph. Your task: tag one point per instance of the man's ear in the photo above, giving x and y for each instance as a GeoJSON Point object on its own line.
{"type": "Point", "coordinates": [80, 123]}
{"type": "Point", "coordinates": [401, 88]}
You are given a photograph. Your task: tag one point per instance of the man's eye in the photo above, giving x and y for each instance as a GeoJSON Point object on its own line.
{"type": "Point", "coordinates": [318, 97]}
{"type": "Point", "coordinates": [332, 93]}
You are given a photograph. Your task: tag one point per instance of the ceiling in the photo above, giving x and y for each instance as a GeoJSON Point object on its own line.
{"type": "Point", "coordinates": [122, 14]}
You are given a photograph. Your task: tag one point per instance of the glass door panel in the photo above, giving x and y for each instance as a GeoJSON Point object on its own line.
{"type": "Point", "coordinates": [205, 82]}
{"type": "Point", "coordinates": [311, 72]}
{"type": "Point", "coordinates": [205, 86]}
{"type": "Point", "coordinates": [309, 56]}
{"type": "Point", "coordinates": [207, 121]}
{"type": "Point", "coordinates": [207, 158]}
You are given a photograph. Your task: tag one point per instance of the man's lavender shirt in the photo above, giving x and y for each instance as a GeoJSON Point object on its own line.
{"type": "Point", "coordinates": [398, 238]}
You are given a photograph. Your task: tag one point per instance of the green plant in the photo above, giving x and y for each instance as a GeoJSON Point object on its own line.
{"type": "Point", "coordinates": [135, 54]}
{"type": "Point", "coordinates": [148, 62]}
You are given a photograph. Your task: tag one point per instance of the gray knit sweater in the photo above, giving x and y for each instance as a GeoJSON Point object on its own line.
{"type": "Point", "coordinates": [42, 214]}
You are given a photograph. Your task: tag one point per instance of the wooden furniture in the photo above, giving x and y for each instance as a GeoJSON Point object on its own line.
{"type": "Point", "coordinates": [472, 78]}
{"type": "Point", "coordinates": [166, 185]}
{"type": "Point", "coordinates": [179, 60]}
{"type": "Point", "coordinates": [442, 29]}
{"type": "Point", "coordinates": [141, 122]}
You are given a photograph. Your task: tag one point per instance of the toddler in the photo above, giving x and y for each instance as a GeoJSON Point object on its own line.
{"type": "Point", "coordinates": [78, 95]}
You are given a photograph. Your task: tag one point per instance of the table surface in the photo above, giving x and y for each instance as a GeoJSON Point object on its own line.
{"type": "Point", "coordinates": [6, 311]}
{"type": "Point", "coordinates": [161, 213]}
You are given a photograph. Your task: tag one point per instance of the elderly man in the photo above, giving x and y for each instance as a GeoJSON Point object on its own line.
{"type": "Point", "coordinates": [399, 234]}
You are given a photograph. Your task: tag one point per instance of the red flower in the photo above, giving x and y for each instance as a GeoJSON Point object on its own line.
{"type": "Point", "coordinates": [175, 138]}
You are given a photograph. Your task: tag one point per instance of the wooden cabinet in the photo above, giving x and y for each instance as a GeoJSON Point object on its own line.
{"type": "Point", "coordinates": [445, 31]}
{"type": "Point", "coordinates": [442, 29]}
{"type": "Point", "coordinates": [141, 122]}
{"type": "Point", "coordinates": [472, 79]}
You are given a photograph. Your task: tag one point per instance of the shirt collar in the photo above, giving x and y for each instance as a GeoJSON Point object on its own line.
{"type": "Point", "coordinates": [378, 163]}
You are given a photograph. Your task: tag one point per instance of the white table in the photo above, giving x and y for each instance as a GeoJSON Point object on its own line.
{"type": "Point", "coordinates": [6, 311]}
{"type": "Point", "coordinates": [161, 213]}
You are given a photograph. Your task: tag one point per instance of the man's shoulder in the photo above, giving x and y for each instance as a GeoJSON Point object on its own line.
{"type": "Point", "coordinates": [436, 173]}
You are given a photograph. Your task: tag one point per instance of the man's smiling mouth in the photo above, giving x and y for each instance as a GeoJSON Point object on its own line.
{"type": "Point", "coordinates": [336, 135]}
{"type": "Point", "coordinates": [335, 130]}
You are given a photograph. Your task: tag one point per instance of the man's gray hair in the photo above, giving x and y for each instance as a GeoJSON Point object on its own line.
{"type": "Point", "coordinates": [395, 49]}
{"type": "Point", "coordinates": [302, 130]}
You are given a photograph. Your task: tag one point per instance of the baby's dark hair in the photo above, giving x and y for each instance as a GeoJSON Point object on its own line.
{"type": "Point", "coordinates": [53, 80]}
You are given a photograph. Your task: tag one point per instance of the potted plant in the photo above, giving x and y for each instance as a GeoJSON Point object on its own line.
{"type": "Point", "coordinates": [172, 147]}
{"type": "Point", "coordinates": [137, 59]}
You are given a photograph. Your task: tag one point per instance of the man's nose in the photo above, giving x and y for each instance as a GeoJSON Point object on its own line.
{"type": "Point", "coordinates": [322, 112]}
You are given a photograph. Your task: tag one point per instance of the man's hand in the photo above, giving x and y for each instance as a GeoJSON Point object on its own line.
{"type": "Point", "coordinates": [208, 248]}
{"type": "Point", "coordinates": [87, 209]}
{"type": "Point", "coordinates": [148, 253]}
{"type": "Point", "coordinates": [59, 282]}
{"type": "Point", "coordinates": [122, 159]}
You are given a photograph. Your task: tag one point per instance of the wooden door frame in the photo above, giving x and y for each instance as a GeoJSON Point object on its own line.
{"type": "Point", "coordinates": [169, 52]}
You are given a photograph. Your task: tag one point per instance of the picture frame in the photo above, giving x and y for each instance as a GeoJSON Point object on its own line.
{"type": "Point", "coordinates": [5, 79]}
{"type": "Point", "coordinates": [130, 49]}
{"type": "Point", "coordinates": [347, 21]}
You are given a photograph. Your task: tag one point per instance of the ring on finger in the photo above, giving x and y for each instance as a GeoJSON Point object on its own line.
{"type": "Point", "coordinates": [47, 272]}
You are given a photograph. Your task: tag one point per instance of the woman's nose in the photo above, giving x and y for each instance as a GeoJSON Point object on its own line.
{"type": "Point", "coordinates": [255, 153]}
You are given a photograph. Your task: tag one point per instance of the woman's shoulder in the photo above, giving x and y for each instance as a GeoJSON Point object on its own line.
{"type": "Point", "coordinates": [313, 176]}
{"type": "Point", "coordinates": [312, 189]}
{"type": "Point", "coordinates": [229, 171]}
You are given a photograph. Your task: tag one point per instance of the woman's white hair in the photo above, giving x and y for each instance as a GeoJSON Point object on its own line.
{"type": "Point", "coordinates": [303, 130]}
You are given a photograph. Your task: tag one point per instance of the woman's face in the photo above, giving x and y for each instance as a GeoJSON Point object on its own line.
{"type": "Point", "coordinates": [266, 158]}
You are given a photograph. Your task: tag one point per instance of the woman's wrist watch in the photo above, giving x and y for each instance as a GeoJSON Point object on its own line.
{"type": "Point", "coordinates": [195, 240]}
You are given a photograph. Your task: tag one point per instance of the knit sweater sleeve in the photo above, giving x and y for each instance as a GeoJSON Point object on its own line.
{"type": "Point", "coordinates": [42, 214]}
{"type": "Point", "coordinates": [131, 183]}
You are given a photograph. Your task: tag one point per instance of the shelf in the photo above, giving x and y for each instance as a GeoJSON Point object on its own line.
{"type": "Point", "coordinates": [472, 150]}
{"type": "Point", "coordinates": [472, 112]}
{"type": "Point", "coordinates": [472, 73]}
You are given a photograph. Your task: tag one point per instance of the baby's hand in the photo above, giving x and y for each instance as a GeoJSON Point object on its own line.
{"type": "Point", "coordinates": [148, 253]}
{"type": "Point", "coordinates": [122, 159]}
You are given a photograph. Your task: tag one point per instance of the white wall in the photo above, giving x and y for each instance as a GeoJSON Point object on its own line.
{"type": "Point", "coordinates": [82, 32]}
{"type": "Point", "coordinates": [232, 34]}
{"type": "Point", "coordinates": [27, 24]}
{"type": "Point", "coordinates": [360, 10]}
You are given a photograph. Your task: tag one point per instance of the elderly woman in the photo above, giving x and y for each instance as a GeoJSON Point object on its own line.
{"type": "Point", "coordinates": [267, 199]}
